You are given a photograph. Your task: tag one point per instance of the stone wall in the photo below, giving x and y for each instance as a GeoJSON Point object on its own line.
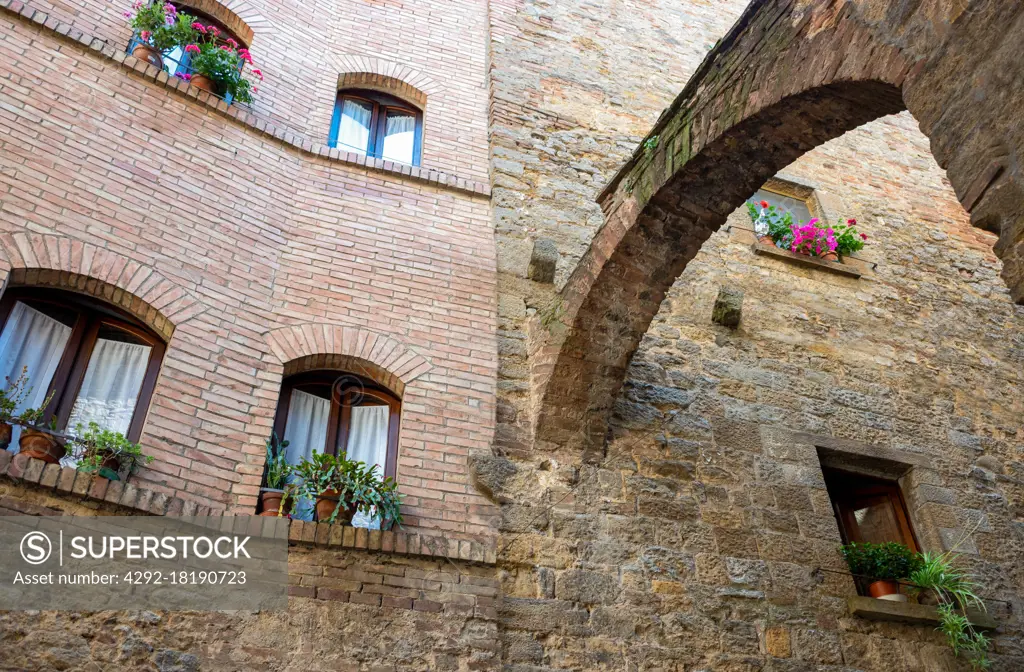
{"type": "Point", "coordinates": [703, 538]}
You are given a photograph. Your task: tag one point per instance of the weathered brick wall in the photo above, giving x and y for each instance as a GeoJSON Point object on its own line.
{"type": "Point", "coordinates": [704, 538]}
{"type": "Point", "coordinates": [257, 248]}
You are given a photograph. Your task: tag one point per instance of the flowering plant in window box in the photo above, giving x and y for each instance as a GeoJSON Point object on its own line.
{"type": "Point", "coordinates": [772, 226]}
{"type": "Point", "coordinates": [219, 65]}
{"type": "Point", "coordinates": [159, 28]}
{"type": "Point", "coordinates": [39, 441]}
{"type": "Point", "coordinates": [105, 452]}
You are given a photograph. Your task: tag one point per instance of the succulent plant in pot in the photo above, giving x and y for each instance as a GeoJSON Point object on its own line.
{"type": "Point", "coordinates": [372, 495]}
{"type": "Point", "coordinates": [274, 495]}
{"type": "Point", "coordinates": [105, 452]}
{"type": "Point", "coordinates": [318, 481]}
{"type": "Point", "coordinates": [342, 487]}
{"type": "Point", "coordinates": [883, 565]}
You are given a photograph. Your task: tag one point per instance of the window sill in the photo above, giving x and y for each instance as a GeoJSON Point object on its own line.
{"type": "Point", "coordinates": [830, 266]}
{"type": "Point", "coordinates": [908, 612]}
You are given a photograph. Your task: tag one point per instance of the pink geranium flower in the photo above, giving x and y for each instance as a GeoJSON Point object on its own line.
{"type": "Point", "coordinates": [192, 49]}
{"type": "Point", "coordinates": [200, 27]}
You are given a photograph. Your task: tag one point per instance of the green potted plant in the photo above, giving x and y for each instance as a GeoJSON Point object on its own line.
{"type": "Point", "coordinates": [105, 452]}
{"type": "Point", "coordinates": [36, 440]}
{"type": "Point", "coordinates": [10, 399]}
{"type": "Point", "coordinates": [159, 28]}
{"type": "Point", "coordinates": [276, 472]}
{"type": "Point", "coordinates": [772, 226]}
{"type": "Point", "coordinates": [848, 238]}
{"type": "Point", "coordinates": [884, 565]}
{"type": "Point", "coordinates": [318, 481]}
{"type": "Point", "coordinates": [954, 592]}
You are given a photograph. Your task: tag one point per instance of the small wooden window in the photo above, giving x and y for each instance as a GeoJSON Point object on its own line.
{"type": "Point", "coordinates": [869, 509]}
{"type": "Point", "coordinates": [100, 363]}
{"type": "Point", "coordinates": [377, 125]}
{"type": "Point", "coordinates": [341, 414]}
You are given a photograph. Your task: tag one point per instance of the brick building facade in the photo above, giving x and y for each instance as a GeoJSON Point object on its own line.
{"type": "Point", "coordinates": [702, 536]}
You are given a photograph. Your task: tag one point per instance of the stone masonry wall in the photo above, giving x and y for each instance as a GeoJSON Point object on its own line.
{"type": "Point", "coordinates": [704, 538]}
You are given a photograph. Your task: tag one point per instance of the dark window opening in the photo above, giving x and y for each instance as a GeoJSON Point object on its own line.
{"type": "Point", "coordinates": [869, 509]}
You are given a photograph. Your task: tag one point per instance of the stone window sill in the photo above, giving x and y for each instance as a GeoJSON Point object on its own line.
{"type": "Point", "coordinates": [813, 262]}
{"type": "Point", "coordinates": [908, 612]}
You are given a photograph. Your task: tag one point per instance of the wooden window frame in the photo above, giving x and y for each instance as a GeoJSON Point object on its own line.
{"type": "Point", "coordinates": [845, 486]}
{"type": "Point", "coordinates": [70, 371]}
{"type": "Point", "coordinates": [381, 103]}
{"type": "Point", "coordinates": [341, 410]}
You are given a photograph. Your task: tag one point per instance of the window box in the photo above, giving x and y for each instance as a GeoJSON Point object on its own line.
{"type": "Point", "coordinates": [836, 267]}
{"type": "Point", "coordinates": [909, 612]}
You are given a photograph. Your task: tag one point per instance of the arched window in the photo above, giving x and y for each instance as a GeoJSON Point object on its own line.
{"type": "Point", "coordinates": [341, 414]}
{"type": "Point", "coordinates": [100, 363]}
{"type": "Point", "coordinates": [377, 125]}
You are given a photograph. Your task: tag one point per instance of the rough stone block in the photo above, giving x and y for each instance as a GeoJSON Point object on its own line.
{"type": "Point", "coordinates": [543, 261]}
{"type": "Point", "coordinates": [728, 307]}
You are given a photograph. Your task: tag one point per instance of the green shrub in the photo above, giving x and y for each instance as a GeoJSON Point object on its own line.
{"type": "Point", "coordinates": [882, 562]}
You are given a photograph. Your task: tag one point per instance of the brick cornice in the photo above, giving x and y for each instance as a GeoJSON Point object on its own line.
{"type": "Point", "coordinates": [237, 113]}
{"type": "Point", "coordinates": [68, 482]}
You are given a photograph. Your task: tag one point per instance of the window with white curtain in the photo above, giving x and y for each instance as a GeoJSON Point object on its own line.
{"type": "Point", "coordinates": [342, 414]}
{"type": "Point", "coordinates": [99, 363]}
{"type": "Point", "coordinates": [378, 125]}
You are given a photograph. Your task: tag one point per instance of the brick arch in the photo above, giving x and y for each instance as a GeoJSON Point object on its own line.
{"type": "Point", "coordinates": [356, 70]}
{"type": "Point", "coordinates": [238, 16]}
{"type": "Point", "coordinates": [783, 81]}
{"type": "Point", "coordinates": [378, 357]}
{"type": "Point", "coordinates": [34, 260]}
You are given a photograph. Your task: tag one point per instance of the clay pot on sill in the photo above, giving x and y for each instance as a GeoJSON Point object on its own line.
{"type": "Point", "coordinates": [146, 53]}
{"type": "Point", "coordinates": [766, 240]}
{"type": "Point", "coordinates": [41, 445]}
{"type": "Point", "coordinates": [204, 83]}
{"type": "Point", "coordinates": [270, 503]}
{"type": "Point", "coordinates": [830, 256]}
{"type": "Point", "coordinates": [886, 590]}
{"type": "Point", "coordinates": [327, 502]}
{"type": "Point", "coordinates": [5, 435]}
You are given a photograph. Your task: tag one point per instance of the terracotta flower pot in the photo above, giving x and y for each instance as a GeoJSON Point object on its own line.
{"type": "Point", "coordinates": [270, 502]}
{"type": "Point", "coordinates": [146, 53]}
{"type": "Point", "coordinates": [203, 82]}
{"type": "Point", "coordinates": [830, 256]}
{"type": "Point", "coordinates": [5, 435]}
{"type": "Point", "coordinates": [41, 446]}
{"type": "Point", "coordinates": [886, 590]}
{"type": "Point", "coordinates": [327, 502]}
{"type": "Point", "coordinates": [766, 240]}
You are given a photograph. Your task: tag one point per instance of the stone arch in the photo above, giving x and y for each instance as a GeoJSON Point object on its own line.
{"type": "Point", "coordinates": [783, 81]}
{"type": "Point", "coordinates": [45, 260]}
{"type": "Point", "coordinates": [378, 357]}
{"type": "Point", "coordinates": [238, 16]}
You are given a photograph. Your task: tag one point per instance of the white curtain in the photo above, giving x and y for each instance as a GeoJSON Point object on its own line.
{"type": "Point", "coordinates": [110, 388]}
{"type": "Point", "coordinates": [368, 442]}
{"type": "Point", "coordinates": [354, 128]}
{"type": "Point", "coordinates": [34, 340]}
{"type": "Point", "coordinates": [399, 137]}
{"type": "Point", "coordinates": [306, 433]}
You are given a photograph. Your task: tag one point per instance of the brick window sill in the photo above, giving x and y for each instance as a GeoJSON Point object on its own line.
{"type": "Point", "coordinates": [836, 267]}
{"type": "Point", "coordinates": [908, 612]}
{"type": "Point", "coordinates": [255, 124]}
{"type": "Point", "coordinates": [68, 482]}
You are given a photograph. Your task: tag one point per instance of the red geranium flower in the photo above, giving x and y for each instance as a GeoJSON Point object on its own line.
{"type": "Point", "coordinates": [864, 236]}
{"type": "Point", "coordinates": [764, 204]}
{"type": "Point", "coordinates": [852, 222]}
